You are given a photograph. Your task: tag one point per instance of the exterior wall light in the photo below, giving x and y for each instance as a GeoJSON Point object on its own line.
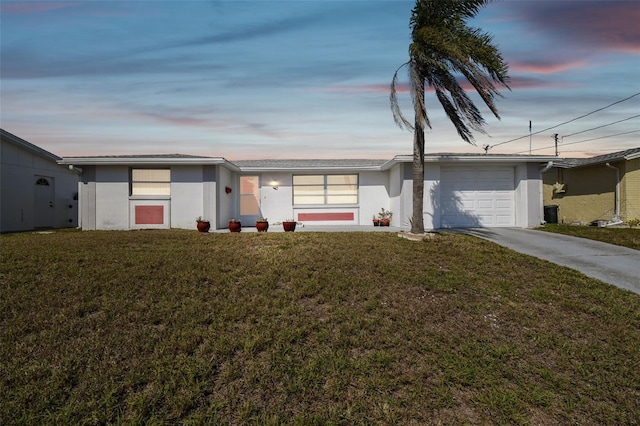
{"type": "Point", "coordinates": [274, 184]}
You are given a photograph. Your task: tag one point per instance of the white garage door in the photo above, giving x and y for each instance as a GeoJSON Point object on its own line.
{"type": "Point", "coordinates": [477, 197]}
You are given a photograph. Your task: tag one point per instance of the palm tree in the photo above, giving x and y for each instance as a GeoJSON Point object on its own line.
{"type": "Point", "coordinates": [443, 47]}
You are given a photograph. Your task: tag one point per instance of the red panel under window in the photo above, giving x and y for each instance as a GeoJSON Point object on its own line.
{"type": "Point", "coordinates": [310, 217]}
{"type": "Point", "coordinates": [149, 215]}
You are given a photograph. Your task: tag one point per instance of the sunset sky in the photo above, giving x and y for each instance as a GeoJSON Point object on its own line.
{"type": "Point", "coordinates": [303, 78]}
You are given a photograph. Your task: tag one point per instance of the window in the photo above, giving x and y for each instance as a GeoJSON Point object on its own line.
{"type": "Point", "coordinates": [325, 189]}
{"type": "Point", "coordinates": [150, 182]}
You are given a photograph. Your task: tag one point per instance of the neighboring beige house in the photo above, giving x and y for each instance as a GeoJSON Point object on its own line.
{"type": "Point", "coordinates": [602, 188]}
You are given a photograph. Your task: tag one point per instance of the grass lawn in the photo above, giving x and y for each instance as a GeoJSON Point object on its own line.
{"type": "Point", "coordinates": [627, 237]}
{"type": "Point", "coordinates": [306, 328]}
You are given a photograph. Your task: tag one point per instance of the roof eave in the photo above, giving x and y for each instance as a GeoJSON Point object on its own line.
{"type": "Point", "coordinates": [131, 161]}
{"type": "Point", "coordinates": [476, 158]}
{"type": "Point", "coordinates": [309, 168]}
{"type": "Point", "coordinates": [633, 156]}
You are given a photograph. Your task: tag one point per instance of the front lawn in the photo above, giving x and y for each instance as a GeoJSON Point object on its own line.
{"type": "Point", "coordinates": [153, 327]}
{"type": "Point", "coordinates": [626, 237]}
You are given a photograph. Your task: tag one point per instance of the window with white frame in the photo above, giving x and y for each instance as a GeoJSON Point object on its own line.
{"type": "Point", "coordinates": [325, 189]}
{"type": "Point", "coordinates": [150, 182]}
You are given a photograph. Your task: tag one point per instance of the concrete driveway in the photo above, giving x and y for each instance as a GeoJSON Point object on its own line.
{"type": "Point", "coordinates": [619, 266]}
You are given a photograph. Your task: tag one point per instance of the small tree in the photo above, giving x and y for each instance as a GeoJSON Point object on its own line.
{"type": "Point", "coordinates": [443, 46]}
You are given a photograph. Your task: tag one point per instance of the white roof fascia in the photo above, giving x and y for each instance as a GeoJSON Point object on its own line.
{"type": "Point", "coordinates": [632, 156]}
{"type": "Point", "coordinates": [311, 168]}
{"type": "Point", "coordinates": [472, 159]}
{"type": "Point", "coordinates": [145, 161]}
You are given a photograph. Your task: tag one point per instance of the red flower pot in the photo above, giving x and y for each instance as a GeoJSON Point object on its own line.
{"type": "Point", "coordinates": [262, 226]}
{"type": "Point", "coordinates": [289, 226]}
{"type": "Point", "coordinates": [203, 226]}
{"type": "Point", "coordinates": [235, 226]}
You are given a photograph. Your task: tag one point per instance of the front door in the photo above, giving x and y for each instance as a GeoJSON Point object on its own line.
{"type": "Point", "coordinates": [249, 199]}
{"type": "Point", "coordinates": [44, 212]}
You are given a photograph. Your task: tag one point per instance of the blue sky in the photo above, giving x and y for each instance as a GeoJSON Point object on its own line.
{"type": "Point", "coordinates": [303, 78]}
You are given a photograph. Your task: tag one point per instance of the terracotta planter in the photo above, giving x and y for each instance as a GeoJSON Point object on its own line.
{"type": "Point", "coordinates": [262, 226]}
{"type": "Point", "coordinates": [289, 226]}
{"type": "Point", "coordinates": [385, 222]}
{"type": "Point", "coordinates": [376, 222]}
{"type": "Point", "coordinates": [235, 226]}
{"type": "Point", "coordinates": [203, 226]}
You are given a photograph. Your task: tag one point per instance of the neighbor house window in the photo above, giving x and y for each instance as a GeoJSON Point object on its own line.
{"type": "Point", "coordinates": [150, 182]}
{"type": "Point", "coordinates": [325, 189]}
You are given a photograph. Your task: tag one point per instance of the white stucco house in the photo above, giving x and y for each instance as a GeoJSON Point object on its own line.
{"type": "Point", "coordinates": [35, 191]}
{"type": "Point", "coordinates": [170, 191]}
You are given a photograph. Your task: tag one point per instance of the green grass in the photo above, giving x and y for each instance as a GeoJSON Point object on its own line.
{"type": "Point", "coordinates": [626, 237]}
{"type": "Point", "coordinates": [164, 327]}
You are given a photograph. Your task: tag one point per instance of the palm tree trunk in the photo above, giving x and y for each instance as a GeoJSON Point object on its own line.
{"type": "Point", "coordinates": [417, 224]}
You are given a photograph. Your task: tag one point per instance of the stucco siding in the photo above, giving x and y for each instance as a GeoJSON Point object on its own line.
{"type": "Point", "coordinates": [630, 190]}
{"type": "Point", "coordinates": [187, 200]}
{"type": "Point", "coordinates": [225, 208]}
{"type": "Point", "coordinates": [432, 206]}
{"type": "Point", "coordinates": [528, 195]}
{"type": "Point", "coordinates": [589, 193]}
{"type": "Point", "coordinates": [374, 195]}
{"type": "Point", "coordinates": [398, 203]}
{"type": "Point", "coordinates": [112, 198]}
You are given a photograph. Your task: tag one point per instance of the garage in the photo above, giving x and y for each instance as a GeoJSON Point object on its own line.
{"type": "Point", "coordinates": [477, 197]}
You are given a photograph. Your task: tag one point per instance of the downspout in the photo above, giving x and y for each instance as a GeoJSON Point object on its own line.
{"type": "Point", "coordinates": [547, 167]}
{"type": "Point", "coordinates": [616, 217]}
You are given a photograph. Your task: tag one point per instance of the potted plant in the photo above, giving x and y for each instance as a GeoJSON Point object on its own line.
{"type": "Point", "coordinates": [385, 217]}
{"type": "Point", "coordinates": [262, 224]}
{"type": "Point", "coordinates": [376, 221]}
{"type": "Point", "coordinates": [235, 225]}
{"type": "Point", "coordinates": [202, 225]}
{"type": "Point", "coordinates": [289, 225]}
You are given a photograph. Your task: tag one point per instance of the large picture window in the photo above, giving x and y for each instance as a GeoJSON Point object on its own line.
{"type": "Point", "coordinates": [150, 182]}
{"type": "Point", "coordinates": [325, 189]}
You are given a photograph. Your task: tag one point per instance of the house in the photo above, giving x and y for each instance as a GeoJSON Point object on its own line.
{"type": "Point", "coordinates": [35, 191]}
{"type": "Point", "coordinates": [602, 188]}
{"type": "Point", "coordinates": [170, 191]}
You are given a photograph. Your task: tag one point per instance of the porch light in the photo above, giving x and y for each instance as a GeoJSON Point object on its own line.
{"type": "Point", "coordinates": [274, 184]}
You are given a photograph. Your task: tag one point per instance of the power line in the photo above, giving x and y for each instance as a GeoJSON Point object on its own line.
{"type": "Point", "coordinates": [584, 140]}
{"type": "Point", "coordinates": [604, 125]}
{"type": "Point", "coordinates": [566, 122]}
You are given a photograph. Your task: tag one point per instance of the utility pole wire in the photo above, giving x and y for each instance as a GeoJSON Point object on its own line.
{"type": "Point", "coordinates": [604, 125]}
{"type": "Point", "coordinates": [567, 122]}
{"type": "Point", "coordinates": [585, 140]}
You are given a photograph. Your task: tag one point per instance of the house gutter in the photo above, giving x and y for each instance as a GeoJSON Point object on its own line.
{"type": "Point", "coordinates": [616, 216]}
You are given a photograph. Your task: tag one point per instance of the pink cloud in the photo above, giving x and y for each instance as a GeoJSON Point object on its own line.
{"type": "Point", "coordinates": [546, 68]}
{"type": "Point", "coordinates": [524, 83]}
{"type": "Point", "coordinates": [403, 88]}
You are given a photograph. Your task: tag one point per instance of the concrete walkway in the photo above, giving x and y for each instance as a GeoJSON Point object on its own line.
{"type": "Point", "coordinates": [619, 266]}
